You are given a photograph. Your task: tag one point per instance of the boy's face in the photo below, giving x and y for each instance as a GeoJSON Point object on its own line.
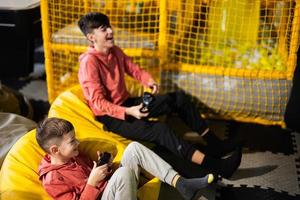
{"type": "Point", "coordinates": [102, 38]}
{"type": "Point", "coordinates": [69, 146]}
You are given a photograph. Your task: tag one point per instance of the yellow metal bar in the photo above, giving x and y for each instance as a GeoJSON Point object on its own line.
{"type": "Point", "coordinates": [282, 42]}
{"type": "Point", "coordinates": [86, 6]}
{"type": "Point", "coordinates": [47, 49]}
{"type": "Point", "coordinates": [222, 71]}
{"type": "Point", "coordinates": [68, 47]}
{"type": "Point", "coordinates": [162, 37]}
{"type": "Point", "coordinates": [189, 14]}
{"type": "Point", "coordinates": [141, 52]}
{"type": "Point", "coordinates": [133, 52]}
{"type": "Point", "coordinates": [294, 45]}
{"type": "Point", "coordinates": [257, 120]}
{"type": "Point", "coordinates": [179, 25]}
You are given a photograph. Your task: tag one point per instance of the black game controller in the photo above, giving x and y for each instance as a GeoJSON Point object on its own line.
{"type": "Point", "coordinates": [147, 99]}
{"type": "Point", "coordinates": [104, 159]}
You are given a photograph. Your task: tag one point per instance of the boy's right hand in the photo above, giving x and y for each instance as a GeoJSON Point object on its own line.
{"type": "Point", "coordinates": [98, 174]}
{"type": "Point", "coordinates": [135, 111]}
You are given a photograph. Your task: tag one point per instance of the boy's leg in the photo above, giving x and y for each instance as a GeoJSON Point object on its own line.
{"type": "Point", "coordinates": [122, 185]}
{"type": "Point", "coordinates": [162, 135]}
{"type": "Point", "coordinates": [156, 132]}
{"type": "Point", "coordinates": [137, 155]}
{"type": "Point", "coordinates": [174, 102]}
{"type": "Point", "coordinates": [180, 103]}
{"type": "Point", "coordinates": [184, 167]}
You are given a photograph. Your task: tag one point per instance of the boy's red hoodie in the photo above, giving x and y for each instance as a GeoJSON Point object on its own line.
{"type": "Point", "coordinates": [102, 79]}
{"type": "Point", "coordinates": [69, 181]}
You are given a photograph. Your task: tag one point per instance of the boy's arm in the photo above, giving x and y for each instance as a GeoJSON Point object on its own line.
{"type": "Point", "coordinates": [64, 192]}
{"type": "Point", "coordinates": [94, 91]}
{"type": "Point", "coordinates": [136, 72]}
{"type": "Point", "coordinates": [61, 189]}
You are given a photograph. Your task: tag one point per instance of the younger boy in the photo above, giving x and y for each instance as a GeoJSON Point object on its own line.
{"type": "Point", "coordinates": [68, 175]}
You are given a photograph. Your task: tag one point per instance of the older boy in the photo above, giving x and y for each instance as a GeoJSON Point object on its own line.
{"type": "Point", "coordinates": [101, 76]}
{"type": "Point", "coordinates": [68, 175]}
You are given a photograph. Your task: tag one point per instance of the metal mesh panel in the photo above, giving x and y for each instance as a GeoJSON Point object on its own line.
{"type": "Point", "coordinates": [240, 34]}
{"type": "Point", "coordinates": [236, 57]}
{"type": "Point", "coordinates": [255, 100]}
{"type": "Point", "coordinates": [135, 27]}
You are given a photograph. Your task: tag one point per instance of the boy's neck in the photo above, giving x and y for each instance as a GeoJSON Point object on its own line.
{"type": "Point", "coordinates": [104, 51]}
{"type": "Point", "coordinates": [57, 161]}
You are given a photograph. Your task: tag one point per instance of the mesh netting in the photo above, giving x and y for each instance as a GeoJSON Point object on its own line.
{"type": "Point", "coordinates": [235, 57]}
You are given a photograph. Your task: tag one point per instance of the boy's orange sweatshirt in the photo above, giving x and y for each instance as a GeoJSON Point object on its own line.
{"type": "Point", "coordinates": [102, 79]}
{"type": "Point", "coordinates": [69, 181]}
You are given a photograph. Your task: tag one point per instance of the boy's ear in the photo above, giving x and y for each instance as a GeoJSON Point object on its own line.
{"type": "Point", "coordinates": [53, 149]}
{"type": "Point", "coordinates": [90, 37]}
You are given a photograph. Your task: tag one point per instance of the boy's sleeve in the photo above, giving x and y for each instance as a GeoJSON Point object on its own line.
{"type": "Point", "coordinates": [65, 192]}
{"type": "Point", "coordinates": [90, 192]}
{"type": "Point", "coordinates": [94, 91]}
{"type": "Point", "coordinates": [135, 71]}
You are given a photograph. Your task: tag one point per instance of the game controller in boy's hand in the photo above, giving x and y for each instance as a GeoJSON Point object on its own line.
{"type": "Point", "coordinates": [147, 99]}
{"type": "Point", "coordinates": [104, 159]}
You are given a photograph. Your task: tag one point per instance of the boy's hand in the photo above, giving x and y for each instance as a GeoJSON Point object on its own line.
{"type": "Point", "coordinates": [99, 154]}
{"type": "Point", "coordinates": [98, 174]}
{"type": "Point", "coordinates": [135, 111]}
{"type": "Point", "coordinates": [154, 86]}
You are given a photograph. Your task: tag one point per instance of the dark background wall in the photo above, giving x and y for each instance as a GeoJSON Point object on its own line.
{"type": "Point", "coordinates": [292, 114]}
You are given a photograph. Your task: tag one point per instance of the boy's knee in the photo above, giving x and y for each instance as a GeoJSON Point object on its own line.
{"type": "Point", "coordinates": [133, 146]}
{"type": "Point", "coordinates": [181, 98]}
{"type": "Point", "coordinates": [125, 175]}
{"type": "Point", "coordinates": [162, 129]}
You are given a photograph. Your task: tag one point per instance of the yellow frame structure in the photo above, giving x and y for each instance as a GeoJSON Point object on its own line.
{"type": "Point", "coordinates": [185, 13]}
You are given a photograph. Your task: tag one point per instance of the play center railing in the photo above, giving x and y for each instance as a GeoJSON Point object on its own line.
{"type": "Point", "coordinates": [236, 58]}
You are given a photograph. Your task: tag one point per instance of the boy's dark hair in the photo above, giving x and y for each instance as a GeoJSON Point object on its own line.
{"type": "Point", "coordinates": [51, 128]}
{"type": "Point", "coordinates": [91, 21]}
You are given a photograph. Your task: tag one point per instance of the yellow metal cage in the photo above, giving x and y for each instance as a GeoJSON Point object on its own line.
{"type": "Point", "coordinates": [235, 57]}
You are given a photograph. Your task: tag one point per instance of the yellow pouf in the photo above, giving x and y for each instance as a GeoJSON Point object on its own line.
{"type": "Point", "coordinates": [19, 173]}
{"type": "Point", "coordinates": [71, 105]}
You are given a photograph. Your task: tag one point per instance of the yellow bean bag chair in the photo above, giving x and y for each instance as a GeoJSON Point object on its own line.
{"type": "Point", "coordinates": [19, 173]}
{"type": "Point", "coordinates": [71, 105]}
